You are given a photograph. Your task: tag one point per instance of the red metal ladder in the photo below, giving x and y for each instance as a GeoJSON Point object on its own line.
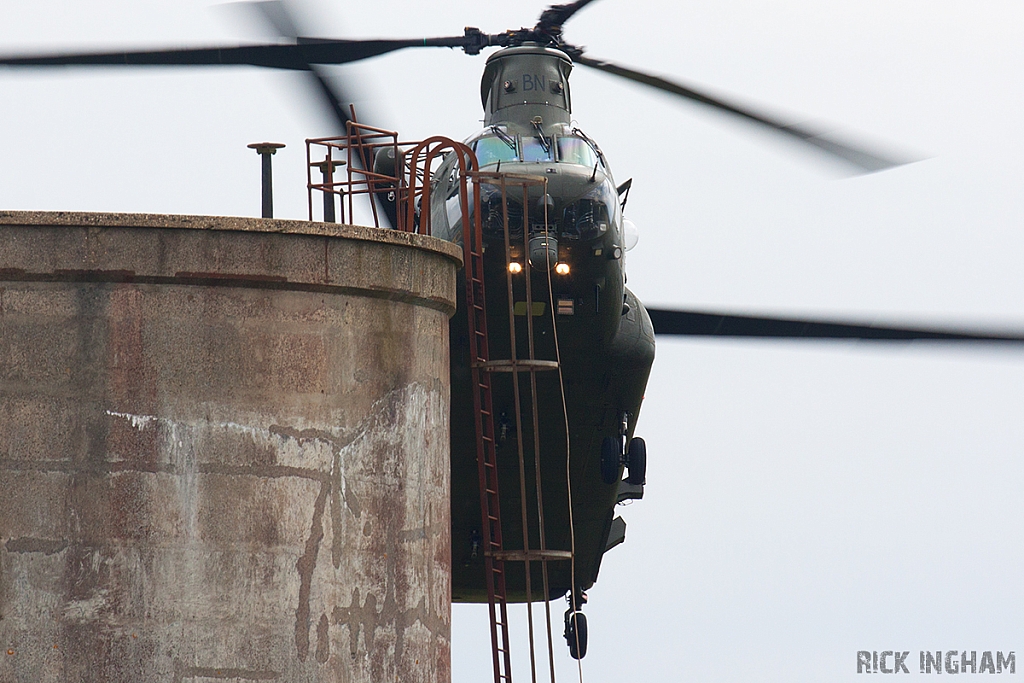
{"type": "Point", "coordinates": [487, 463]}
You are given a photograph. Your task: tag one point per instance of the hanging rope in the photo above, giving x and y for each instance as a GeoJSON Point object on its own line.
{"type": "Point", "coordinates": [568, 477]}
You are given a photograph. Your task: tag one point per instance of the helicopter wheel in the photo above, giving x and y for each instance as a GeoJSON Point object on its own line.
{"type": "Point", "coordinates": [610, 459]}
{"type": "Point", "coordinates": [637, 461]}
{"type": "Point", "coordinates": [576, 633]}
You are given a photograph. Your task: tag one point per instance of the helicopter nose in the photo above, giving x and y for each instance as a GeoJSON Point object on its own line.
{"type": "Point", "coordinates": [543, 252]}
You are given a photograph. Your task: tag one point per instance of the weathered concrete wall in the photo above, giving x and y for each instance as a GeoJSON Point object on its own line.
{"type": "Point", "coordinates": [223, 450]}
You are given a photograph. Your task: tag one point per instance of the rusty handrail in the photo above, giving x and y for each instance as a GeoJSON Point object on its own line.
{"type": "Point", "coordinates": [410, 181]}
{"type": "Point", "coordinates": [357, 150]}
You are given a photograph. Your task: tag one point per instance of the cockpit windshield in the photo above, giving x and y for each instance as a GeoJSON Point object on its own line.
{"type": "Point", "coordinates": [567, 149]}
{"type": "Point", "coordinates": [573, 150]}
{"type": "Point", "coordinates": [536, 150]}
{"type": "Point", "coordinates": [492, 150]}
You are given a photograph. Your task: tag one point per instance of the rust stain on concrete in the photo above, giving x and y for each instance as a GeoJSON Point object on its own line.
{"type": "Point", "coordinates": [181, 673]}
{"type": "Point", "coordinates": [35, 545]}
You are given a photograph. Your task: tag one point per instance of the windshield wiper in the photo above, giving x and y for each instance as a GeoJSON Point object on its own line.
{"type": "Point", "coordinates": [593, 145]}
{"type": "Point", "coordinates": [544, 142]}
{"type": "Point", "coordinates": [504, 137]}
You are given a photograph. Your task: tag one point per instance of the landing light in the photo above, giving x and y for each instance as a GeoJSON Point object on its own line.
{"type": "Point", "coordinates": [562, 268]}
{"type": "Point", "coordinates": [515, 267]}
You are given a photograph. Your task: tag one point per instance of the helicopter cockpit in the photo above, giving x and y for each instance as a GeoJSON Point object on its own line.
{"type": "Point", "coordinates": [494, 145]}
{"type": "Point", "coordinates": [580, 205]}
{"type": "Point", "coordinates": [582, 199]}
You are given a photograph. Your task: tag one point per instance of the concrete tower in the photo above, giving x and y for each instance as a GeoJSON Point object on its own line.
{"type": "Point", "coordinates": [223, 450]}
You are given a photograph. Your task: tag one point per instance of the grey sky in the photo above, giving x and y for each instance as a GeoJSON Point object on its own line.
{"type": "Point", "coordinates": [803, 501]}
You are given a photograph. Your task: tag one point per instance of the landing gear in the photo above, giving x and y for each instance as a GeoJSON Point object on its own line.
{"type": "Point", "coordinates": [616, 454]}
{"type": "Point", "coordinates": [576, 628]}
{"type": "Point", "coordinates": [636, 461]}
{"type": "Point", "coordinates": [576, 634]}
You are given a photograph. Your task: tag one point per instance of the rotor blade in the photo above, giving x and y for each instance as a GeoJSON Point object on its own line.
{"type": "Point", "coordinates": [280, 17]}
{"type": "Point", "coordinates": [298, 57]}
{"type": "Point", "coordinates": [556, 15]}
{"type": "Point", "coordinates": [337, 101]}
{"type": "Point", "coordinates": [277, 15]}
{"type": "Point", "coordinates": [333, 97]}
{"type": "Point", "coordinates": [709, 324]}
{"type": "Point", "coordinates": [866, 161]}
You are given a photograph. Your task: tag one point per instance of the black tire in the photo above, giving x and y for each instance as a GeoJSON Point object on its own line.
{"type": "Point", "coordinates": [576, 634]}
{"type": "Point", "coordinates": [637, 459]}
{"type": "Point", "coordinates": [384, 163]}
{"type": "Point", "coordinates": [610, 460]}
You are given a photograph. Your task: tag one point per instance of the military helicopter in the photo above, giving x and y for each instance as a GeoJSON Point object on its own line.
{"type": "Point", "coordinates": [608, 355]}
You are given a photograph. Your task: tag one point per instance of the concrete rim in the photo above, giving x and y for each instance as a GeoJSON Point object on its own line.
{"type": "Point", "coordinates": [246, 252]}
{"type": "Point", "coordinates": [83, 219]}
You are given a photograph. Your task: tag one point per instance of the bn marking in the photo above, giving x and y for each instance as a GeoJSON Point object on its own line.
{"type": "Point", "coordinates": [534, 82]}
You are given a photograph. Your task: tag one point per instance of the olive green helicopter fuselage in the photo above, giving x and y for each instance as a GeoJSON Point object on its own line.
{"type": "Point", "coordinates": [605, 340]}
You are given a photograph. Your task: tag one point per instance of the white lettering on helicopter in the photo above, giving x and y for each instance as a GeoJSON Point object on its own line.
{"type": "Point", "coordinates": [534, 82]}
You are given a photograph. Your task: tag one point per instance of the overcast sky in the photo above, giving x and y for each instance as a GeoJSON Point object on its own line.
{"type": "Point", "coordinates": [804, 501]}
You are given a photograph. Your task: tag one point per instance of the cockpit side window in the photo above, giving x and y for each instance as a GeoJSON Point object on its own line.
{"type": "Point", "coordinates": [492, 149]}
{"type": "Point", "coordinates": [592, 215]}
{"type": "Point", "coordinates": [573, 150]}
